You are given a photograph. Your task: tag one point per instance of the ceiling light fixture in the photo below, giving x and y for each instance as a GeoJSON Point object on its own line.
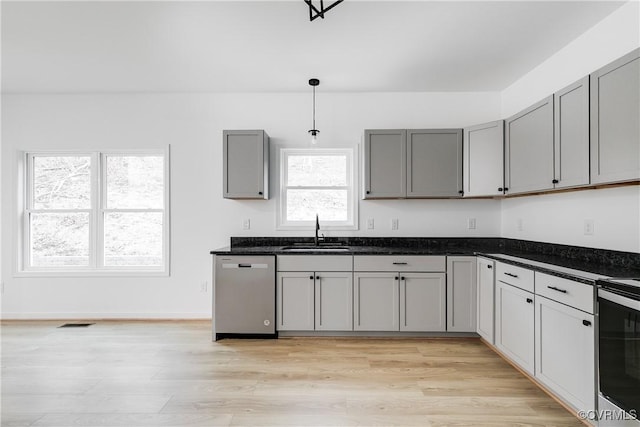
{"type": "Point", "coordinates": [314, 12]}
{"type": "Point", "coordinates": [314, 132]}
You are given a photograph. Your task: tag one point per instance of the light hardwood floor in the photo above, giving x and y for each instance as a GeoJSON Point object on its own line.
{"type": "Point", "coordinates": [153, 374]}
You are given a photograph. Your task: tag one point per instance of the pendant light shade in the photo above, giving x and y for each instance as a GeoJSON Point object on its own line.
{"type": "Point", "coordinates": [314, 132]}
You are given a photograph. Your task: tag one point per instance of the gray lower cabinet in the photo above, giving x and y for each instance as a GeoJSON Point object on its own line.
{"type": "Point", "coordinates": [413, 163]}
{"type": "Point", "coordinates": [514, 325]}
{"type": "Point", "coordinates": [333, 301]}
{"type": "Point", "coordinates": [615, 121]}
{"type": "Point", "coordinates": [245, 164]}
{"type": "Point", "coordinates": [461, 294]}
{"type": "Point", "coordinates": [529, 149]}
{"type": "Point", "coordinates": [385, 163]}
{"type": "Point", "coordinates": [486, 285]}
{"type": "Point", "coordinates": [571, 135]}
{"type": "Point", "coordinates": [434, 163]}
{"type": "Point", "coordinates": [376, 304]}
{"type": "Point", "coordinates": [309, 301]}
{"type": "Point", "coordinates": [483, 161]}
{"type": "Point", "coordinates": [295, 301]}
{"type": "Point", "coordinates": [422, 302]}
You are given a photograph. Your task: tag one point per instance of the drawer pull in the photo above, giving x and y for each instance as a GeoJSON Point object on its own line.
{"type": "Point", "coordinates": [402, 278]}
{"type": "Point", "coordinates": [511, 275]}
{"type": "Point", "coordinates": [489, 267]}
{"type": "Point", "coordinates": [397, 278]}
{"type": "Point", "coordinates": [399, 263]}
{"type": "Point", "coordinates": [317, 277]}
{"type": "Point", "coordinates": [564, 291]}
{"type": "Point", "coordinates": [529, 300]}
{"type": "Point", "coordinates": [586, 323]}
{"type": "Point", "coordinates": [310, 277]}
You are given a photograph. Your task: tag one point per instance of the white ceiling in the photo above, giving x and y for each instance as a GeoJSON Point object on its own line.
{"type": "Point", "coordinates": [270, 46]}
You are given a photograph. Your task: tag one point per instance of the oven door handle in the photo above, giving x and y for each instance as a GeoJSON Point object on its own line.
{"type": "Point", "coordinates": [619, 299]}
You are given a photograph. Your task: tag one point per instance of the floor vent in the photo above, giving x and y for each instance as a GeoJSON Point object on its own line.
{"type": "Point", "coordinates": [76, 325]}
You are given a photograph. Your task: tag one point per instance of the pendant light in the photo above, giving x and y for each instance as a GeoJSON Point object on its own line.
{"type": "Point", "coordinates": [314, 132]}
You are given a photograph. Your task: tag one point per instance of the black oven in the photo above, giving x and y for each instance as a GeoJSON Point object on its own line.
{"type": "Point", "coordinates": [619, 351]}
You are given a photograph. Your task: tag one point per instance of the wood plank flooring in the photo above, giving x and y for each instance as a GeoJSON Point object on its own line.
{"type": "Point", "coordinates": [153, 374]}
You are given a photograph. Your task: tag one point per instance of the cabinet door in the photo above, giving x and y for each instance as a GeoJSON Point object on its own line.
{"type": "Point", "coordinates": [483, 163]}
{"type": "Point", "coordinates": [571, 135]}
{"type": "Point", "coordinates": [565, 349]}
{"type": "Point", "coordinates": [295, 301]}
{"type": "Point", "coordinates": [529, 149]}
{"type": "Point", "coordinates": [434, 163]}
{"type": "Point", "coordinates": [422, 302]}
{"type": "Point", "coordinates": [334, 301]}
{"type": "Point", "coordinates": [615, 120]}
{"type": "Point", "coordinates": [245, 164]}
{"type": "Point", "coordinates": [376, 302]}
{"type": "Point", "coordinates": [385, 159]}
{"type": "Point", "coordinates": [514, 325]}
{"type": "Point", "coordinates": [485, 298]}
{"type": "Point", "coordinates": [461, 294]}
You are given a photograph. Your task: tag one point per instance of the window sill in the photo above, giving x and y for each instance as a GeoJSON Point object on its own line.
{"type": "Point", "coordinates": [92, 273]}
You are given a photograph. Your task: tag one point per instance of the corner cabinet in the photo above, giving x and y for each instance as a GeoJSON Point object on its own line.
{"type": "Point", "coordinates": [483, 161]}
{"type": "Point", "coordinates": [486, 285]}
{"type": "Point", "coordinates": [615, 121]}
{"type": "Point", "coordinates": [245, 164]}
{"type": "Point", "coordinates": [571, 135]}
{"type": "Point", "coordinates": [461, 294]}
{"type": "Point", "coordinates": [529, 149]}
{"type": "Point", "coordinates": [412, 163]}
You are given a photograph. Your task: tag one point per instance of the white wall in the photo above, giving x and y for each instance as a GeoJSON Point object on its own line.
{"type": "Point", "coordinates": [201, 219]}
{"type": "Point", "coordinates": [559, 218]}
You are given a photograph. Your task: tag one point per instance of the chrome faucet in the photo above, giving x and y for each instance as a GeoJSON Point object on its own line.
{"type": "Point", "coordinates": [315, 240]}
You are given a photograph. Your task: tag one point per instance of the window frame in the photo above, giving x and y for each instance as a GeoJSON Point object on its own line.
{"type": "Point", "coordinates": [97, 211]}
{"type": "Point", "coordinates": [352, 204]}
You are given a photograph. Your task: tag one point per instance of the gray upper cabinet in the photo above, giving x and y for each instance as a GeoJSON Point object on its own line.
{"type": "Point", "coordinates": [571, 135]}
{"type": "Point", "coordinates": [615, 121]}
{"type": "Point", "coordinates": [402, 163]}
{"type": "Point", "coordinates": [529, 149]}
{"type": "Point", "coordinates": [245, 164]}
{"type": "Point", "coordinates": [483, 161]}
{"type": "Point", "coordinates": [385, 160]}
{"type": "Point", "coordinates": [434, 163]}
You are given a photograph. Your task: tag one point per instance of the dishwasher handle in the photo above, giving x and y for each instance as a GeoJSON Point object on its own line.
{"type": "Point", "coordinates": [244, 265]}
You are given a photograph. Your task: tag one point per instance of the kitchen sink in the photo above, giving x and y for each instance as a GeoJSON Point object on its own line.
{"type": "Point", "coordinates": [316, 248]}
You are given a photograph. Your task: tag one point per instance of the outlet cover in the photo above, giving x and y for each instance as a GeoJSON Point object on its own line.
{"type": "Point", "coordinates": [520, 224]}
{"type": "Point", "coordinates": [370, 224]}
{"type": "Point", "coordinates": [471, 223]}
{"type": "Point", "coordinates": [246, 224]}
{"type": "Point", "coordinates": [589, 228]}
{"type": "Point", "coordinates": [395, 224]}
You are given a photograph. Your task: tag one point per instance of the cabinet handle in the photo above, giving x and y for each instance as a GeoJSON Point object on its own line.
{"type": "Point", "coordinates": [555, 181]}
{"type": "Point", "coordinates": [506, 189]}
{"type": "Point", "coordinates": [529, 300]}
{"type": "Point", "coordinates": [586, 323]}
{"type": "Point", "coordinates": [310, 277]}
{"type": "Point", "coordinates": [402, 278]}
{"type": "Point", "coordinates": [489, 266]}
{"type": "Point", "coordinates": [397, 278]}
{"type": "Point", "coordinates": [317, 277]}
{"type": "Point", "coordinates": [368, 192]}
{"type": "Point", "coordinates": [500, 189]}
{"type": "Point", "coordinates": [511, 275]}
{"type": "Point", "coordinates": [564, 291]}
{"type": "Point", "coordinates": [260, 193]}
{"type": "Point", "coordinates": [399, 263]}
{"type": "Point", "coordinates": [460, 192]}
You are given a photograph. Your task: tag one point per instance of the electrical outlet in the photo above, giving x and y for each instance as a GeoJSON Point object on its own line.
{"type": "Point", "coordinates": [246, 224]}
{"type": "Point", "coordinates": [520, 224]}
{"type": "Point", "coordinates": [394, 224]}
{"type": "Point", "coordinates": [204, 286]}
{"type": "Point", "coordinates": [471, 223]}
{"type": "Point", "coordinates": [589, 228]}
{"type": "Point", "coordinates": [370, 224]}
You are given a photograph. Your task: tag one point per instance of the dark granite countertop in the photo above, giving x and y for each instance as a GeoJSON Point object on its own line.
{"type": "Point", "coordinates": [572, 262]}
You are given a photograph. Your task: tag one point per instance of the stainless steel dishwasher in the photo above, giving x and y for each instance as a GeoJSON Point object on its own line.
{"type": "Point", "coordinates": [244, 296]}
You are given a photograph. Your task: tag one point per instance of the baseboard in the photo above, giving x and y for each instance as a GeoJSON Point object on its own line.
{"type": "Point", "coordinates": [115, 316]}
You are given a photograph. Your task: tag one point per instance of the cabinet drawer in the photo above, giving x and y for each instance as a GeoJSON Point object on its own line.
{"type": "Point", "coordinates": [574, 294]}
{"type": "Point", "coordinates": [315, 262]}
{"type": "Point", "coordinates": [516, 276]}
{"type": "Point", "coordinates": [399, 263]}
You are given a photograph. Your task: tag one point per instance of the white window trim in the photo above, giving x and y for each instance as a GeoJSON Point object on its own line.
{"type": "Point", "coordinates": [23, 269]}
{"type": "Point", "coordinates": [351, 187]}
